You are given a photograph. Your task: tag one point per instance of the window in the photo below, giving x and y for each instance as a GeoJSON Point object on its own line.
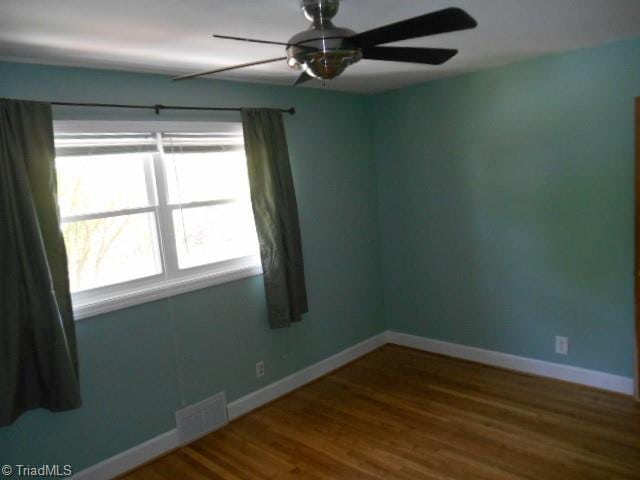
{"type": "Point", "coordinates": [148, 215]}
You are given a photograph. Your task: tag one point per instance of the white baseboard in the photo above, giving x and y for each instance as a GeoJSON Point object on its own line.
{"type": "Point", "coordinates": [130, 459]}
{"type": "Point", "coordinates": [592, 378]}
{"type": "Point", "coordinates": [168, 441]}
{"type": "Point", "coordinates": [147, 451]}
{"type": "Point", "coordinates": [277, 389]}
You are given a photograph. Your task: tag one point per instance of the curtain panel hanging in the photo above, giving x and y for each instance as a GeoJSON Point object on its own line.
{"type": "Point", "coordinates": [276, 215]}
{"type": "Point", "coordinates": [38, 355]}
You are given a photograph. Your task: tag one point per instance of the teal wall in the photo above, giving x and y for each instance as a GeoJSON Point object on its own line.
{"type": "Point", "coordinates": [131, 373]}
{"type": "Point", "coordinates": [506, 207]}
{"type": "Point", "coordinates": [500, 203]}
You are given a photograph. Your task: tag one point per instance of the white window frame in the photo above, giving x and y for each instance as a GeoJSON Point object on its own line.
{"type": "Point", "coordinates": [173, 280]}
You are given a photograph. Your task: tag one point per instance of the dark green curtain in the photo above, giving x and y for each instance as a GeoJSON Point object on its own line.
{"type": "Point", "coordinates": [276, 215]}
{"type": "Point", "coordinates": [38, 357]}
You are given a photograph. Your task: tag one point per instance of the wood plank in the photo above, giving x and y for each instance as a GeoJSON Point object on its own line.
{"type": "Point", "coordinates": [403, 414]}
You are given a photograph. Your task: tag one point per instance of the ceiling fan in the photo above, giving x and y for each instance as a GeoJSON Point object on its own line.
{"type": "Point", "coordinates": [324, 51]}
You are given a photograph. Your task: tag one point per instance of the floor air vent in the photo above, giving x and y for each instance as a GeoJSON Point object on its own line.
{"type": "Point", "coordinates": [204, 417]}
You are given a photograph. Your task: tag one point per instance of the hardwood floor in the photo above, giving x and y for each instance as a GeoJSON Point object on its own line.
{"type": "Point", "coordinates": [403, 414]}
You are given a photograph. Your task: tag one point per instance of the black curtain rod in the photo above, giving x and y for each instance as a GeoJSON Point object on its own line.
{"type": "Point", "coordinates": [157, 108]}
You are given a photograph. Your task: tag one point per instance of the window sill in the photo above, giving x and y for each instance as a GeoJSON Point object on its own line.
{"type": "Point", "coordinates": [162, 290]}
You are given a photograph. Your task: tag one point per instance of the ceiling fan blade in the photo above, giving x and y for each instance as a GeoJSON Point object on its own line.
{"type": "Point", "coordinates": [304, 77]}
{"type": "Point", "coordinates": [442, 21]}
{"type": "Point", "coordinates": [428, 56]}
{"type": "Point", "coordinates": [267, 42]}
{"type": "Point", "coordinates": [252, 40]}
{"type": "Point", "coordinates": [225, 69]}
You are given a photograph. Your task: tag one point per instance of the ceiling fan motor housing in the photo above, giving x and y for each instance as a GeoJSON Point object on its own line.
{"type": "Point", "coordinates": [324, 51]}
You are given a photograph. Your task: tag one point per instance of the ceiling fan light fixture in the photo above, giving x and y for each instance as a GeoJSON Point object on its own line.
{"type": "Point", "coordinates": [330, 64]}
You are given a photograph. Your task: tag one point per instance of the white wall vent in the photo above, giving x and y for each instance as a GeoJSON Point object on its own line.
{"type": "Point", "coordinates": [199, 419]}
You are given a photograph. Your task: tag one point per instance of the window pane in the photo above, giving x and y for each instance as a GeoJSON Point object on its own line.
{"type": "Point", "coordinates": [102, 183]}
{"type": "Point", "coordinates": [213, 234]}
{"type": "Point", "coordinates": [111, 250]}
{"type": "Point", "coordinates": [196, 177]}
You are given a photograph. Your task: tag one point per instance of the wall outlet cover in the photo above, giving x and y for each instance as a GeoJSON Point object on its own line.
{"type": "Point", "coordinates": [260, 369]}
{"type": "Point", "coordinates": [562, 345]}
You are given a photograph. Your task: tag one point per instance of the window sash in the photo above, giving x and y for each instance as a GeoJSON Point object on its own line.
{"type": "Point", "coordinates": [93, 301]}
{"type": "Point", "coordinates": [202, 148]}
{"type": "Point", "coordinates": [90, 151]}
{"type": "Point", "coordinates": [105, 144]}
{"type": "Point", "coordinates": [100, 215]}
{"type": "Point", "coordinates": [199, 143]}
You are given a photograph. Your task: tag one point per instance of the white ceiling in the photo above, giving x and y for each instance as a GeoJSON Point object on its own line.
{"type": "Point", "coordinates": [174, 36]}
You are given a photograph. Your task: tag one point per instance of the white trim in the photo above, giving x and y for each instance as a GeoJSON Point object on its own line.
{"type": "Point", "coordinates": [582, 376]}
{"type": "Point", "coordinates": [162, 290]}
{"type": "Point", "coordinates": [130, 459]}
{"type": "Point", "coordinates": [296, 380]}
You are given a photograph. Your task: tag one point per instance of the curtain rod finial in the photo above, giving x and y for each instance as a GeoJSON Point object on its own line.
{"type": "Point", "coordinates": [292, 111]}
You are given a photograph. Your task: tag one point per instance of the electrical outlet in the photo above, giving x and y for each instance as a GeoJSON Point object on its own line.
{"type": "Point", "coordinates": [562, 345]}
{"type": "Point", "coordinates": [260, 369]}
